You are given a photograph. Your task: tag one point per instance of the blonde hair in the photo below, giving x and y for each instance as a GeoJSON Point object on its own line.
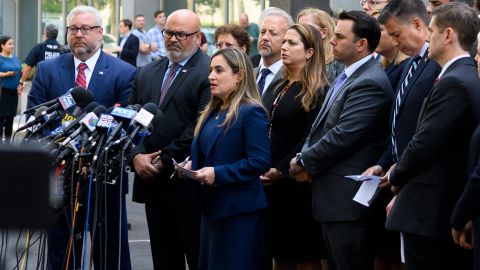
{"type": "Point", "coordinates": [397, 61]}
{"type": "Point", "coordinates": [245, 92]}
{"type": "Point", "coordinates": [314, 74]}
{"type": "Point", "coordinates": [322, 20]}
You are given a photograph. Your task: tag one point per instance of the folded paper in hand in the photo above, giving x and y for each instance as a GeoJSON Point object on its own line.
{"type": "Point", "coordinates": [368, 190]}
{"type": "Point", "coordinates": [180, 169]}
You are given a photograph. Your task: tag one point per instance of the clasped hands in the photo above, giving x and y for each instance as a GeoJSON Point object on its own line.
{"type": "Point", "coordinates": [297, 172]}
{"type": "Point", "coordinates": [465, 237]}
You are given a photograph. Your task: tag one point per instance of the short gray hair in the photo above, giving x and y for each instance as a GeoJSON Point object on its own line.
{"type": "Point", "coordinates": [85, 9]}
{"type": "Point", "coordinates": [274, 11]}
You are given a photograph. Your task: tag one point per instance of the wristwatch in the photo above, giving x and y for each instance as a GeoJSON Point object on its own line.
{"type": "Point", "coordinates": [21, 82]}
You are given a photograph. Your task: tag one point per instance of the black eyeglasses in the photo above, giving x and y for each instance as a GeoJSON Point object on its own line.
{"type": "Point", "coordinates": [86, 30]}
{"type": "Point", "coordinates": [178, 35]}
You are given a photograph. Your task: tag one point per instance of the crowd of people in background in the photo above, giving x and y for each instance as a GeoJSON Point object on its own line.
{"type": "Point", "coordinates": [273, 122]}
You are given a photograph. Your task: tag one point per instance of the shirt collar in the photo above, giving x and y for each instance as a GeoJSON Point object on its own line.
{"type": "Point", "coordinates": [424, 49]}
{"type": "Point", "coordinates": [127, 35]}
{"type": "Point", "coordinates": [274, 68]}
{"type": "Point", "coordinates": [353, 67]}
{"type": "Point", "coordinates": [449, 63]}
{"type": "Point", "coordinates": [90, 61]}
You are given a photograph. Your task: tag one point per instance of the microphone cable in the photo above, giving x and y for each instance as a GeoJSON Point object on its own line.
{"type": "Point", "coordinates": [86, 220]}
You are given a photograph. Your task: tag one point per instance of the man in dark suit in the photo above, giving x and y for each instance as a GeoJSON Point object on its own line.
{"type": "Point", "coordinates": [350, 131]}
{"type": "Point", "coordinates": [110, 80]}
{"type": "Point", "coordinates": [128, 46]}
{"type": "Point", "coordinates": [430, 174]}
{"type": "Point", "coordinates": [406, 22]}
{"type": "Point", "coordinates": [274, 23]}
{"type": "Point", "coordinates": [179, 84]}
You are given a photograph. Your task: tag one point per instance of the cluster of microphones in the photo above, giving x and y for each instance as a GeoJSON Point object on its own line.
{"type": "Point", "coordinates": [80, 133]}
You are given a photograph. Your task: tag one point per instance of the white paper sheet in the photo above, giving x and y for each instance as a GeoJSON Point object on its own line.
{"type": "Point", "coordinates": [368, 190]}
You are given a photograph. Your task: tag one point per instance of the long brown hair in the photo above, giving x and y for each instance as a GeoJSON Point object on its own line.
{"type": "Point", "coordinates": [314, 76]}
{"type": "Point", "coordinates": [245, 92]}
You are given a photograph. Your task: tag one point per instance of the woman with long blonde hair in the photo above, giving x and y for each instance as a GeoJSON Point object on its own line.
{"type": "Point", "coordinates": [230, 151]}
{"type": "Point", "coordinates": [324, 23]}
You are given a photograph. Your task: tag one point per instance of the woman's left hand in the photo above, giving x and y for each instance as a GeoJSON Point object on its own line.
{"type": "Point", "coordinates": [20, 89]}
{"type": "Point", "coordinates": [205, 175]}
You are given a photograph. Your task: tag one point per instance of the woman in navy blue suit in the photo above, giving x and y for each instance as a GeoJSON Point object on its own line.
{"type": "Point", "coordinates": [230, 151]}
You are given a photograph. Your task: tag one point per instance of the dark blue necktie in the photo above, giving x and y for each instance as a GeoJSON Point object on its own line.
{"type": "Point", "coordinates": [261, 83]}
{"type": "Point", "coordinates": [399, 100]}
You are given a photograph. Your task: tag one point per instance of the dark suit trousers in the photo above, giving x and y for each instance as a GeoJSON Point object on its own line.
{"type": "Point", "coordinates": [174, 230]}
{"type": "Point", "coordinates": [348, 245]}
{"type": "Point", "coordinates": [424, 253]}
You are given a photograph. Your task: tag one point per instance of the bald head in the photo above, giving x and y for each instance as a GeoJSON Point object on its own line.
{"type": "Point", "coordinates": [182, 37]}
{"type": "Point", "coordinates": [243, 18]}
{"type": "Point", "coordinates": [187, 19]}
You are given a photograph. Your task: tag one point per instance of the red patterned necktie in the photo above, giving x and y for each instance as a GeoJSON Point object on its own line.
{"type": "Point", "coordinates": [81, 78]}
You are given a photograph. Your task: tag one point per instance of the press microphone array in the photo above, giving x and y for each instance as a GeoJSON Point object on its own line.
{"type": "Point", "coordinates": [85, 138]}
{"type": "Point", "coordinates": [89, 145]}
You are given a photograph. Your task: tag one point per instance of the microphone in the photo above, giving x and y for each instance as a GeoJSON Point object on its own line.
{"type": "Point", "coordinates": [78, 96]}
{"type": "Point", "coordinates": [89, 108]}
{"type": "Point", "coordinates": [89, 121]}
{"type": "Point", "coordinates": [142, 120]}
{"type": "Point", "coordinates": [54, 101]}
{"type": "Point", "coordinates": [123, 116]}
{"type": "Point", "coordinates": [103, 126]}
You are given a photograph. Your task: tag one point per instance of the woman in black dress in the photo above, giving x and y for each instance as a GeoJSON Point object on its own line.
{"type": "Point", "coordinates": [293, 237]}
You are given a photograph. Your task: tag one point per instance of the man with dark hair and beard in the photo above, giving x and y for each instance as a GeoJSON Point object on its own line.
{"type": "Point", "coordinates": [179, 84]}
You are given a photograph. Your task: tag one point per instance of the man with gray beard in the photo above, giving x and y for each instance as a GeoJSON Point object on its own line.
{"type": "Point", "coordinates": [179, 84]}
{"type": "Point", "coordinates": [274, 23]}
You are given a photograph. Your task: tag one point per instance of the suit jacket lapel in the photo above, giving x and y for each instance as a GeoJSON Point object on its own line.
{"type": "Point", "coordinates": [156, 85]}
{"type": "Point", "coordinates": [99, 73]}
{"type": "Point", "coordinates": [278, 77]}
{"type": "Point", "coordinates": [67, 73]}
{"type": "Point", "coordinates": [327, 105]}
{"type": "Point", "coordinates": [184, 72]}
{"type": "Point", "coordinates": [216, 133]}
{"type": "Point", "coordinates": [421, 65]}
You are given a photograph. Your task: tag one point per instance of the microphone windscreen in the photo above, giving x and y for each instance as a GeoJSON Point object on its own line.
{"type": "Point", "coordinates": [90, 107]}
{"type": "Point", "coordinates": [150, 107]}
{"type": "Point", "coordinates": [100, 109]}
{"type": "Point", "coordinates": [81, 96]}
{"type": "Point", "coordinates": [39, 111]}
{"type": "Point", "coordinates": [135, 107]}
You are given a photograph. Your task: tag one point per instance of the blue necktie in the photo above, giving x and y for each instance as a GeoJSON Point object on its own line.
{"type": "Point", "coordinates": [338, 84]}
{"type": "Point", "coordinates": [398, 101]}
{"type": "Point", "coordinates": [261, 83]}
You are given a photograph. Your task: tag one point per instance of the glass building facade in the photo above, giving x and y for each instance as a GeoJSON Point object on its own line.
{"type": "Point", "coordinates": [25, 19]}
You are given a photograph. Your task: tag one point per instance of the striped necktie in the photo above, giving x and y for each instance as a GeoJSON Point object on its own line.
{"type": "Point", "coordinates": [81, 78]}
{"type": "Point", "coordinates": [261, 83]}
{"type": "Point", "coordinates": [398, 102]}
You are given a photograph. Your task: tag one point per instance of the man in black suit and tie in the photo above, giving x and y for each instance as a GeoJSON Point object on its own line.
{"type": "Point", "coordinates": [274, 23]}
{"type": "Point", "coordinates": [430, 174]}
{"type": "Point", "coordinates": [350, 131]}
{"type": "Point", "coordinates": [179, 84]}
{"type": "Point", "coordinates": [406, 22]}
{"type": "Point", "coordinates": [128, 45]}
